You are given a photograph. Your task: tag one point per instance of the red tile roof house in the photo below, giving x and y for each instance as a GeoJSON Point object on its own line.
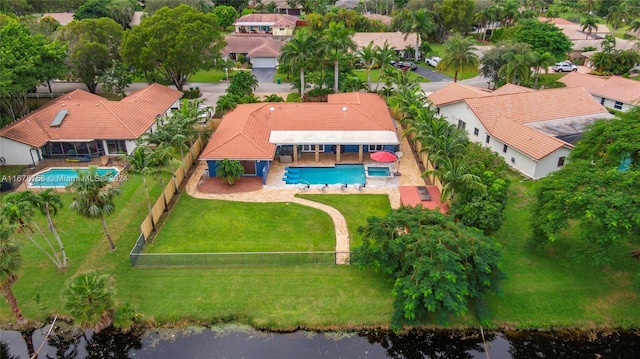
{"type": "Point", "coordinates": [261, 52]}
{"type": "Point", "coordinates": [532, 130]}
{"type": "Point", "coordinates": [83, 125]}
{"type": "Point", "coordinates": [254, 133]}
{"type": "Point", "coordinates": [613, 92]}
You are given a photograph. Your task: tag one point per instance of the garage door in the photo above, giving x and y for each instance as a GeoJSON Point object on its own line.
{"type": "Point", "coordinates": [264, 62]}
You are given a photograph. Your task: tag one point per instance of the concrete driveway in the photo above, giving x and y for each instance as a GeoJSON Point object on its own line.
{"type": "Point", "coordinates": [264, 75]}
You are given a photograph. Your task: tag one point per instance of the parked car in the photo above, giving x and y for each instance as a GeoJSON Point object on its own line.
{"type": "Point", "coordinates": [404, 65]}
{"type": "Point", "coordinates": [564, 67]}
{"type": "Point", "coordinates": [432, 61]}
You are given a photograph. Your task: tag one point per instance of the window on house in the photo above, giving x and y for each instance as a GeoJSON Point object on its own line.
{"type": "Point", "coordinates": [618, 105]}
{"type": "Point", "coordinates": [116, 146]}
{"type": "Point", "coordinates": [461, 124]}
{"type": "Point", "coordinates": [476, 131]}
{"type": "Point", "coordinates": [561, 161]}
{"type": "Point", "coordinates": [504, 149]}
{"type": "Point", "coordinates": [312, 148]}
{"type": "Point", "coordinates": [375, 148]}
{"type": "Point", "coordinates": [487, 139]}
{"type": "Point", "coordinates": [602, 101]}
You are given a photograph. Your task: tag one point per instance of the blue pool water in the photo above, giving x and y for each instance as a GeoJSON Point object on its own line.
{"type": "Point", "coordinates": [60, 177]}
{"type": "Point", "coordinates": [340, 174]}
{"type": "Point", "coordinates": [378, 171]}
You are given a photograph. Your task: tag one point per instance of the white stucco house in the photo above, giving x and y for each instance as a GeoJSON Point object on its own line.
{"type": "Point", "coordinates": [532, 130]}
{"type": "Point", "coordinates": [613, 92]}
{"type": "Point", "coordinates": [79, 126]}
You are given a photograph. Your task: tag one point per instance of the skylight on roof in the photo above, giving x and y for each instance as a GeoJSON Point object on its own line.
{"type": "Point", "coordinates": [59, 117]}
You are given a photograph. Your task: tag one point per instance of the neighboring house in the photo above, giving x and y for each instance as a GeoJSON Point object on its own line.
{"type": "Point", "coordinates": [378, 17]}
{"type": "Point", "coordinates": [282, 7]}
{"type": "Point", "coordinates": [64, 18]}
{"type": "Point", "coordinates": [347, 4]}
{"type": "Point", "coordinates": [396, 40]}
{"type": "Point", "coordinates": [614, 92]}
{"type": "Point", "coordinates": [574, 30]}
{"type": "Point", "coordinates": [261, 52]}
{"type": "Point", "coordinates": [533, 131]}
{"type": "Point", "coordinates": [136, 18]}
{"type": "Point", "coordinates": [255, 134]}
{"type": "Point", "coordinates": [266, 24]}
{"type": "Point", "coordinates": [81, 125]}
{"type": "Point", "coordinates": [580, 45]}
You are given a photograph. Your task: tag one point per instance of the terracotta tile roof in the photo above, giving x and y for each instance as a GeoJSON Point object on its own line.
{"type": "Point", "coordinates": [455, 92]}
{"type": "Point", "coordinates": [253, 46]}
{"type": "Point", "coordinates": [505, 116]}
{"type": "Point", "coordinates": [244, 132]}
{"type": "Point", "coordinates": [276, 20]}
{"type": "Point", "coordinates": [614, 88]}
{"type": "Point", "coordinates": [64, 18]}
{"type": "Point", "coordinates": [93, 117]}
{"type": "Point", "coordinates": [510, 89]}
{"type": "Point", "coordinates": [395, 39]}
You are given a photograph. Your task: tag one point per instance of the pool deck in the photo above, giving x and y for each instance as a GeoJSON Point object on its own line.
{"type": "Point", "coordinates": [250, 189]}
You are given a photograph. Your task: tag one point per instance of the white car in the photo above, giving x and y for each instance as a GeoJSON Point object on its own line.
{"type": "Point", "coordinates": [565, 67]}
{"type": "Point", "coordinates": [432, 61]}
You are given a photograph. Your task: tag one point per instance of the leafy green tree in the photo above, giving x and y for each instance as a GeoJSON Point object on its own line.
{"type": "Point", "coordinates": [49, 203]}
{"type": "Point", "coordinates": [337, 41]}
{"type": "Point", "coordinates": [117, 78]}
{"type": "Point", "coordinates": [176, 42]}
{"type": "Point", "coordinates": [419, 22]}
{"type": "Point", "coordinates": [458, 14]}
{"type": "Point", "coordinates": [229, 170]}
{"type": "Point", "coordinates": [121, 11]}
{"type": "Point", "coordinates": [26, 62]}
{"type": "Point", "coordinates": [438, 267]}
{"type": "Point", "coordinates": [93, 197]}
{"type": "Point", "coordinates": [10, 263]}
{"type": "Point", "coordinates": [88, 297]}
{"type": "Point", "coordinates": [542, 36]}
{"type": "Point", "coordinates": [273, 98]}
{"type": "Point", "coordinates": [226, 15]}
{"type": "Point", "coordinates": [92, 9]}
{"type": "Point", "coordinates": [497, 57]}
{"type": "Point", "coordinates": [18, 210]}
{"type": "Point", "coordinates": [483, 17]}
{"type": "Point", "coordinates": [225, 104]}
{"type": "Point", "coordinates": [152, 6]}
{"type": "Point", "coordinates": [456, 175]}
{"type": "Point", "coordinates": [595, 190]}
{"type": "Point", "coordinates": [93, 47]}
{"type": "Point", "coordinates": [616, 16]}
{"type": "Point", "coordinates": [300, 53]}
{"type": "Point", "coordinates": [517, 70]}
{"type": "Point", "coordinates": [459, 55]}
{"type": "Point", "coordinates": [242, 84]}
{"type": "Point", "coordinates": [541, 62]}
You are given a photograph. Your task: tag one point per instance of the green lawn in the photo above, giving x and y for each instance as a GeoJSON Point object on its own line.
{"type": "Point", "coordinates": [544, 289]}
{"type": "Point", "coordinates": [211, 76]}
{"type": "Point", "coordinates": [197, 226]}
{"type": "Point", "coordinates": [8, 171]}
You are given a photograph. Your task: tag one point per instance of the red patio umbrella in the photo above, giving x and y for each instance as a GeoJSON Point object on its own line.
{"type": "Point", "coordinates": [383, 156]}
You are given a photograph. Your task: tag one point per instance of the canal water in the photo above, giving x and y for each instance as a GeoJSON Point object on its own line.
{"type": "Point", "coordinates": [230, 342]}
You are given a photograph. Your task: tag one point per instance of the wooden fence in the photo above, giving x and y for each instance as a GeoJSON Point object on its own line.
{"type": "Point", "coordinates": [151, 220]}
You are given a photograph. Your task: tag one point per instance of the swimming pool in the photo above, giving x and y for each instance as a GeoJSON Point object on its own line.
{"type": "Point", "coordinates": [61, 177]}
{"type": "Point", "coordinates": [339, 174]}
{"type": "Point", "coordinates": [378, 171]}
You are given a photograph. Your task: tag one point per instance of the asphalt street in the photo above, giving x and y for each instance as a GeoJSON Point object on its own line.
{"type": "Point", "coordinates": [211, 91]}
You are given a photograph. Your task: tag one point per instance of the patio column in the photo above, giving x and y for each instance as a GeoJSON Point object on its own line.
{"type": "Point", "coordinates": [359, 153]}
{"type": "Point", "coordinates": [317, 153]}
{"type": "Point", "coordinates": [295, 153]}
{"type": "Point", "coordinates": [338, 148]}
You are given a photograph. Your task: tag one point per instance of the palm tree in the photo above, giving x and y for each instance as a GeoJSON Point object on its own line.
{"type": "Point", "coordinates": [89, 299]}
{"type": "Point", "coordinates": [49, 204]}
{"type": "Point", "coordinates": [518, 67]}
{"type": "Point", "coordinates": [635, 25]}
{"type": "Point", "coordinates": [229, 170]}
{"type": "Point", "coordinates": [337, 41]}
{"type": "Point", "coordinates": [459, 55]}
{"type": "Point", "coordinates": [454, 174]}
{"type": "Point", "coordinates": [18, 209]}
{"type": "Point", "coordinates": [273, 98]}
{"type": "Point", "coordinates": [368, 57]}
{"type": "Point", "coordinates": [616, 16]}
{"type": "Point", "coordinates": [10, 263]}
{"type": "Point", "coordinates": [93, 197]}
{"type": "Point", "coordinates": [484, 17]}
{"type": "Point", "coordinates": [299, 53]}
{"type": "Point", "coordinates": [242, 84]}
{"type": "Point", "coordinates": [541, 62]}
{"type": "Point", "coordinates": [589, 24]}
{"type": "Point", "coordinates": [422, 25]}
{"type": "Point", "coordinates": [225, 104]}
{"type": "Point", "coordinates": [144, 161]}
{"type": "Point", "coordinates": [383, 57]}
